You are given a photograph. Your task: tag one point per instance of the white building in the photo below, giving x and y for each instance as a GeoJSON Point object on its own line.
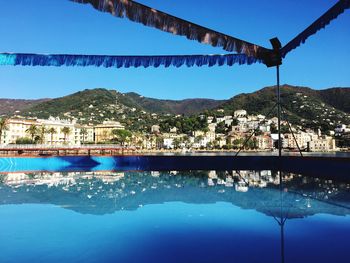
{"type": "Point", "coordinates": [168, 143]}
{"type": "Point", "coordinates": [58, 137]}
{"type": "Point", "coordinates": [323, 144]}
{"type": "Point", "coordinates": [155, 129]}
{"type": "Point", "coordinates": [240, 113]}
{"type": "Point", "coordinates": [16, 128]}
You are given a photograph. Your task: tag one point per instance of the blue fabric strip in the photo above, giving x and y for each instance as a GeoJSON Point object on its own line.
{"type": "Point", "coordinates": [125, 61]}
{"type": "Point", "coordinates": [7, 59]}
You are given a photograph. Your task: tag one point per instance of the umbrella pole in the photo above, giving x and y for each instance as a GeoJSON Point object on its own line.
{"type": "Point", "coordinates": [279, 110]}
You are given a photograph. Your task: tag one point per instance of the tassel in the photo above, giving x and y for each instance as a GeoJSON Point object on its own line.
{"type": "Point", "coordinates": [319, 24]}
{"type": "Point", "coordinates": [147, 16]}
{"type": "Point", "coordinates": [124, 61]}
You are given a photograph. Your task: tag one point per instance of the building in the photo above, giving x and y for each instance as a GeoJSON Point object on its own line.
{"type": "Point", "coordinates": [57, 136]}
{"type": "Point", "coordinates": [302, 138]}
{"type": "Point", "coordinates": [16, 128]}
{"type": "Point", "coordinates": [155, 129]}
{"type": "Point", "coordinates": [264, 142]}
{"type": "Point", "coordinates": [240, 114]}
{"type": "Point", "coordinates": [168, 143]}
{"type": "Point", "coordinates": [83, 134]}
{"type": "Point", "coordinates": [322, 144]}
{"type": "Point", "coordinates": [103, 132]}
{"type": "Point", "coordinates": [173, 130]}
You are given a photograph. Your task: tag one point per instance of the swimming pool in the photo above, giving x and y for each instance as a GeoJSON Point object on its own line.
{"type": "Point", "coordinates": [172, 216]}
{"type": "Point", "coordinates": [328, 167]}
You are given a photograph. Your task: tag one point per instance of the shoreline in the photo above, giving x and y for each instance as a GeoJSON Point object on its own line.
{"type": "Point", "coordinates": [108, 151]}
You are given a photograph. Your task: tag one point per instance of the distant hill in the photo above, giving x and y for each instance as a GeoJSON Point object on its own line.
{"type": "Point", "coordinates": [10, 106]}
{"type": "Point", "coordinates": [187, 106]}
{"type": "Point", "coordinates": [312, 108]}
{"type": "Point", "coordinates": [99, 104]}
{"type": "Point", "coordinates": [337, 97]}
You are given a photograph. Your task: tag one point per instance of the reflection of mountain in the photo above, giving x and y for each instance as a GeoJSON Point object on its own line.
{"type": "Point", "coordinates": [96, 193]}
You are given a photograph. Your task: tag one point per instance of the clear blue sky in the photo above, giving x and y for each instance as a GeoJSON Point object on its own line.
{"type": "Point", "coordinates": [60, 26]}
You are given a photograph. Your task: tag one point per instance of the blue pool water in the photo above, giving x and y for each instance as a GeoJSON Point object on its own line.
{"type": "Point", "coordinates": [193, 216]}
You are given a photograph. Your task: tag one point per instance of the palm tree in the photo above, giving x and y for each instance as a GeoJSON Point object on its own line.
{"type": "Point", "coordinates": [42, 133]}
{"type": "Point", "coordinates": [83, 132]}
{"type": "Point", "coordinates": [121, 136]}
{"type": "Point", "coordinates": [32, 130]}
{"type": "Point", "coordinates": [52, 131]}
{"type": "Point", "coordinates": [66, 131]}
{"type": "Point", "coordinates": [3, 126]}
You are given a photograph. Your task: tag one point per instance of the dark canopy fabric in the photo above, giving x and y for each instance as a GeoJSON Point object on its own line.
{"type": "Point", "coordinates": [248, 53]}
{"type": "Point", "coordinates": [320, 23]}
{"type": "Point", "coordinates": [147, 16]}
{"type": "Point", "coordinates": [124, 61]}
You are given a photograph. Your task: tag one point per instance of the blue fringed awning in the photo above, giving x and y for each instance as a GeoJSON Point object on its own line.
{"type": "Point", "coordinates": [147, 16]}
{"type": "Point", "coordinates": [125, 61]}
{"type": "Point", "coordinates": [319, 24]}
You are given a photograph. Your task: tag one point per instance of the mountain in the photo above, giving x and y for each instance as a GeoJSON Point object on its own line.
{"type": "Point", "coordinates": [305, 106]}
{"type": "Point", "coordinates": [99, 104]}
{"type": "Point", "coordinates": [337, 97]}
{"type": "Point", "coordinates": [311, 108]}
{"type": "Point", "coordinates": [10, 106]}
{"type": "Point", "coordinates": [187, 106]}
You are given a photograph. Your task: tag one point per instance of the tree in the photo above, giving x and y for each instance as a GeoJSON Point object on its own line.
{"type": "Point", "coordinates": [42, 132]}
{"type": "Point", "coordinates": [237, 143]}
{"type": "Point", "coordinates": [3, 126]}
{"type": "Point", "coordinates": [66, 131]}
{"type": "Point", "coordinates": [121, 136]}
{"type": "Point", "coordinates": [159, 142]}
{"type": "Point", "coordinates": [52, 131]}
{"type": "Point", "coordinates": [220, 127]}
{"type": "Point", "coordinates": [32, 131]}
{"type": "Point", "coordinates": [234, 122]}
{"type": "Point", "coordinates": [198, 139]}
{"type": "Point", "coordinates": [83, 132]}
{"type": "Point", "coordinates": [177, 143]}
{"type": "Point", "coordinates": [24, 140]}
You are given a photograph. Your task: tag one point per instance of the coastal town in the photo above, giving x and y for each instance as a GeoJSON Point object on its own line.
{"type": "Point", "coordinates": [228, 132]}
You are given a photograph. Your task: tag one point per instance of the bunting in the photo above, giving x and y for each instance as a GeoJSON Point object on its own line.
{"type": "Point", "coordinates": [319, 24]}
{"type": "Point", "coordinates": [147, 16]}
{"type": "Point", "coordinates": [124, 61]}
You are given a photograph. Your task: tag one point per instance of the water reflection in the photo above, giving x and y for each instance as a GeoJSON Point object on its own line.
{"type": "Point", "coordinates": [107, 192]}
{"type": "Point", "coordinates": [281, 196]}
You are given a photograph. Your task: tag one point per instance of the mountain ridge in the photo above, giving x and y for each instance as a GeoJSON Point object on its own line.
{"type": "Point", "coordinates": [317, 108]}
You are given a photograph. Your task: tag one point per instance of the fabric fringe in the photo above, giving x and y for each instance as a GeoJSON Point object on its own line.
{"type": "Point", "coordinates": [319, 24]}
{"type": "Point", "coordinates": [125, 61]}
{"type": "Point", "coordinates": [147, 16]}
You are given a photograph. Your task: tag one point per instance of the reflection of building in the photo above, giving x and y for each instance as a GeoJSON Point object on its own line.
{"type": "Point", "coordinates": [58, 178]}
{"type": "Point", "coordinates": [241, 187]}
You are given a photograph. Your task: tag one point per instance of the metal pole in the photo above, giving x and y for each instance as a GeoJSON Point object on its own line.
{"type": "Point", "coordinates": [282, 243]}
{"type": "Point", "coordinates": [282, 218]}
{"type": "Point", "coordinates": [279, 111]}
